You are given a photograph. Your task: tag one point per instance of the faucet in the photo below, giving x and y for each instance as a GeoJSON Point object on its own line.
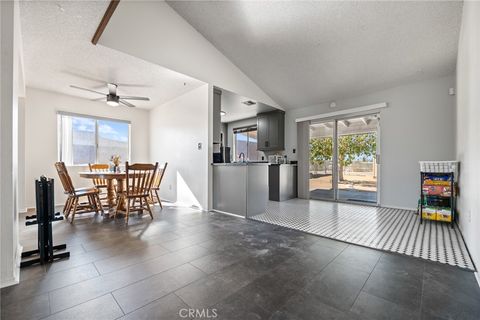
{"type": "Point", "coordinates": [241, 157]}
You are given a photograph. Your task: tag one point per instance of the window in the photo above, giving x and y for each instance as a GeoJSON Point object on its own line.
{"type": "Point", "coordinates": [246, 143]}
{"type": "Point", "coordinates": [83, 139]}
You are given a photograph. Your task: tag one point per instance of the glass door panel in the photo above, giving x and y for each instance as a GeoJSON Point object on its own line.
{"type": "Point", "coordinates": [357, 154]}
{"type": "Point", "coordinates": [321, 167]}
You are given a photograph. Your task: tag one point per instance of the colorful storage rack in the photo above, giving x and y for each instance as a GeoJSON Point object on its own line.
{"type": "Point", "coordinates": [437, 191]}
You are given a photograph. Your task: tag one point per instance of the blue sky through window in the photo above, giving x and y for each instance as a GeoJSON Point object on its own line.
{"type": "Point", "coordinates": [112, 130]}
{"type": "Point", "coordinates": [83, 124]}
{"type": "Point", "coordinates": [243, 137]}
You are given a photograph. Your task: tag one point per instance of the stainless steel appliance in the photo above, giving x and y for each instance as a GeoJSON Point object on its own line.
{"type": "Point", "coordinates": [275, 159]}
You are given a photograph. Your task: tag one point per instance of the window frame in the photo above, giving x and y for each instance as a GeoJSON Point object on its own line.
{"type": "Point", "coordinates": [61, 114]}
{"type": "Point", "coordinates": [244, 129]}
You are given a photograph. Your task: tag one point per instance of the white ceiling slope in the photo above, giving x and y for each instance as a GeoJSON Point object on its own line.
{"type": "Point", "coordinates": [153, 31]}
{"type": "Point", "coordinates": [58, 52]}
{"type": "Point", "coordinates": [309, 52]}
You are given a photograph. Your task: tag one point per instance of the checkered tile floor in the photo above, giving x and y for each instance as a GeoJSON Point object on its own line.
{"type": "Point", "coordinates": [386, 229]}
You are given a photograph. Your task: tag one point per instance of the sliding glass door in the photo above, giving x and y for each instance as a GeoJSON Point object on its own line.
{"type": "Point", "coordinates": [343, 159]}
{"type": "Point", "coordinates": [357, 154]}
{"type": "Point", "coordinates": [321, 169]}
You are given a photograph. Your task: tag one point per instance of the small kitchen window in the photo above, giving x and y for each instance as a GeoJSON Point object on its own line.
{"type": "Point", "coordinates": [245, 142]}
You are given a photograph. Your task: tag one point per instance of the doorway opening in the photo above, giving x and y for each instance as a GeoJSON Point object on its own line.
{"type": "Point", "coordinates": [343, 158]}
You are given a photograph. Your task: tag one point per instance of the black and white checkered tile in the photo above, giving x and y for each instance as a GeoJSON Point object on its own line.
{"type": "Point", "coordinates": [395, 230]}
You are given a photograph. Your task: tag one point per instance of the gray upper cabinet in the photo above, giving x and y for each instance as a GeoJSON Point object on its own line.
{"type": "Point", "coordinates": [271, 131]}
{"type": "Point", "coordinates": [217, 121]}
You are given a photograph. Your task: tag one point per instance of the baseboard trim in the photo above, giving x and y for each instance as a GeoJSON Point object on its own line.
{"type": "Point", "coordinates": [395, 207]}
{"type": "Point", "coordinates": [227, 213]}
{"type": "Point", "coordinates": [10, 282]}
{"type": "Point", "coordinates": [15, 279]}
{"type": "Point", "coordinates": [18, 260]}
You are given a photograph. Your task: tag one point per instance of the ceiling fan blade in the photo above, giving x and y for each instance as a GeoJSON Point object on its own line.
{"type": "Point", "coordinates": [134, 98]}
{"type": "Point", "coordinates": [125, 103]}
{"type": "Point", "coordinates": [85, 89]}
{"type": "Point", "coordinates": [98, 99]}
{"type": "Point", "coordinates": [133, 85]}
{"type": "Point", "coordinates": [112, 89]}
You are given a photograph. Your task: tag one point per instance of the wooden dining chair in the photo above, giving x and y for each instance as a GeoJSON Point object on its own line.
{"type": "Point", "coordinates": [99, 167]}
{"type": "Point", "coordinates": [100, 184]}
{"type": "Point", "coordinates": [73, 204]}
{"type": "Point", "coordinates": [156, 185]}
{"type": "Point", "coordinates": [139, 179]}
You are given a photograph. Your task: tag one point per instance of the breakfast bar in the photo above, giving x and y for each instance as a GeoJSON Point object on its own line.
{"type": "Point", "coordinates": [240, 188]}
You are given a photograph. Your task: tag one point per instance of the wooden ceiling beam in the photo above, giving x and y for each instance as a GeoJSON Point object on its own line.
{"type": "Point", "coordinates": [104, 22]}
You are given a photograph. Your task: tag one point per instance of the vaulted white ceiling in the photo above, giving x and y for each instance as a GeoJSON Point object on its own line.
{"type": "Point", "coordinates": [235, 108]}
{"type": "Point", "coordinates": [303, 53]}
{"type": "Point", "coordinates": [58, 53]}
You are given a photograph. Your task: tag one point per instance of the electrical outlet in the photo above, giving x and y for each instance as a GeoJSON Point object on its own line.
{"type": "Point", "coordinates": [199, 146]}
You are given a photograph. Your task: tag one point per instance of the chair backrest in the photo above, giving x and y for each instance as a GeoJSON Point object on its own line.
{"type": "Point", "coordinates": [64, 178]}
{"type": "Point", "coordinates": [139, 177]}
{"type": "Point", "coordinates": [159, 176]}
{"type": "Point", "coordinates": [99, 167]}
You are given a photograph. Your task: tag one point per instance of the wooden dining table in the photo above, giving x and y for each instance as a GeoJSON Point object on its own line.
{"type": "Point", "coordinates": [119, 177]}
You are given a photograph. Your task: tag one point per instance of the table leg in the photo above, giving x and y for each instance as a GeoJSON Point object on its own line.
{"type": "Point", "coordinates": [110, 195]}
{"type": "Point", "coordinates": [122, 206]}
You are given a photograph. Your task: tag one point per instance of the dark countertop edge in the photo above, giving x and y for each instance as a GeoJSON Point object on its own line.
{"type": "Point", "coordinates": [254, 164]}
{"type": "Point", "coordinates": [241, 164]}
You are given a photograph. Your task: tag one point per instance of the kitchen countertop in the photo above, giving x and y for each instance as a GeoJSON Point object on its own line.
{"type": "Point", "coordinates": [254, 164]}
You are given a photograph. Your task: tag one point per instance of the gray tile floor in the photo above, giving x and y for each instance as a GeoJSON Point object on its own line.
{"type": "Point", "coordinates": [395, 230]}
{"type": "Point", "coordinates": [231, 268]}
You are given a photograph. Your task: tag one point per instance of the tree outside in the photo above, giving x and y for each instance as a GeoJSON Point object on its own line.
{"type": "Point", "coordinates": [351, 147]}
{"type": "Point", "coordinates": [321, 151]}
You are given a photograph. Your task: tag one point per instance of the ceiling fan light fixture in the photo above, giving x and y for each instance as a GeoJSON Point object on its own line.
{"type": "Point", "coordinates": [113, 100]}
{"type": "Point", "coordinates": [113, 103]}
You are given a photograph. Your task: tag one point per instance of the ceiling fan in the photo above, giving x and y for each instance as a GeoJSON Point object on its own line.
{"type": "Point", "coordinates": [112, 98]}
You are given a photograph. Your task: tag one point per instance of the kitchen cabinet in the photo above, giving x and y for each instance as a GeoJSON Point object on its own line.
{"type": "Point", "coordinates": [217, 121]}
{"type": "Point", "coordinates": [271, 131]}
{"type": "Point", "coordinates": [240, 188]}
{"type": "Point", "coordinates": [282, 182]}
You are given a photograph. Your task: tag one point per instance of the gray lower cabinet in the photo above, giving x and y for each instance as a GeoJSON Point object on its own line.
{"type": "Point", "coordinates": [271, 131]}
{"type": "Point", "coordinates": [240, 189]}
{"type": "Point", "coordinates": [282, 182]}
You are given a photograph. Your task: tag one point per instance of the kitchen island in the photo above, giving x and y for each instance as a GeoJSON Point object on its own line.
{"type": "Point", "coordinates": [240, 188]}
{"type": "Point", "coordinates": [282, 181]}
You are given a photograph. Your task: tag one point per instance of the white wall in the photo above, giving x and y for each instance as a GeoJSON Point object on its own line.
{"type": "Point", "coordinates": [21, 203]}
{"type": "Point", "coordinates": [153, 31]}
{"type": "Point", "coordinates": [41, 136]}
{"type": "Point", "coordinates": [406, 133]}
{"type": "Point", "coordinates": [468, 128]}
{"type": "Point", "coordinates": [176, 128]}
{"type": "Point", "coordinates": [11, 90]}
